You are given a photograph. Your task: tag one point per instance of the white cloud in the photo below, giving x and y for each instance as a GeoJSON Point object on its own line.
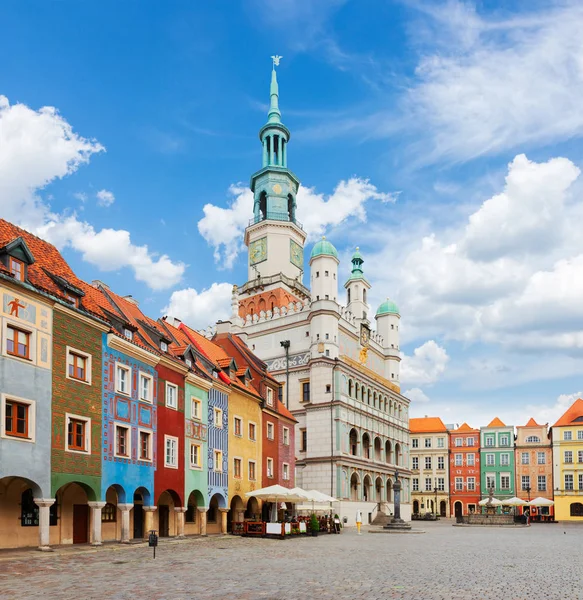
{"type": "Point", "coordinates": [416, 395]}
{"type": "Point", "coordinates": [81, 196]}
{"type": "Point", "coordinates": [105, 198]}
{"type": "Point", "coordinates": [223, 228]}
{"type": "Point", "coordinates": [551, 414]}
{"type": "Point", "coordinates": [425, 366]}
{"type": "Point", "coordinates": [37, 147]}
{"type": "Point", "coordinates": [200, 309]}
{"type": "Point", "coordinates": [511, 274]}
{"type": "Point", "coordinates": [489, 84]}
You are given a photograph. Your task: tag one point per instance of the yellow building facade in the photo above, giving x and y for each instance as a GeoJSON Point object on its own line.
{"type": "Point", "coordinates": [567, 442]}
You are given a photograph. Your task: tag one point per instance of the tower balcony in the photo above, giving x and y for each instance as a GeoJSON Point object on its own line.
{"type": "Point", "coordinates": [275, 216]}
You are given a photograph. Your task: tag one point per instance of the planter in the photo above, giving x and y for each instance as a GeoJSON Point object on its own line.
{"type": "Point", "coordinates": [314, 534]}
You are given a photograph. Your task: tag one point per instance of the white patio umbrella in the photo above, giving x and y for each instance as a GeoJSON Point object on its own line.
{"type": "Point", "coordinates": [540, 501]}
{"type": "Point", "coordinates": [514, 502]}
{"type": "Point", "coordinates": [490, 502]}
{"type": "Point", "coordinates": [275, 494]}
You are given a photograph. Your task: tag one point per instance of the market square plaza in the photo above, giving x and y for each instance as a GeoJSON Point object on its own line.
{"type": "Point", "coordinates": [444, 563]}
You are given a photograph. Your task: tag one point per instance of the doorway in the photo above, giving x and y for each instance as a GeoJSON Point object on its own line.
{"type": "Point", "coordinates": [138, 522]}
{"type": "Point", "coordinates": [458, 509]}
{"type": "Point", "coordinates": [443, 508]}
{"type": "Point", "coordinates": [80, 523]}
{"type": "Point", "coordinates": [164, 520]}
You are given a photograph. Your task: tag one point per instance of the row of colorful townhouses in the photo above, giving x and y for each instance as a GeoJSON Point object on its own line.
{"type": "Point", "coordinates": [453, 468]}
{"type": "Point", "coordinates": [114, 424]}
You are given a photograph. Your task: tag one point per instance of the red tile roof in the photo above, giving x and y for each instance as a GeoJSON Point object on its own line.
{"type": "Point", "coordinates": [426, 425]}
{"type": "Point", "coordinates": [464, 427]}
{"type": "Point", "coordinates": [531, 423]}
{"type": "Point", "coordinates": [573, 413]}
{"type": "Point", "coordinates": [496, 422]}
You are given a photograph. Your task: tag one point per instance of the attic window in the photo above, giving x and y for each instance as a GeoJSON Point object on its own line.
{"type": "Point", "coordinates": [164, 346]}
{"type": "Point", "coordinates": [16, 268]}
{"type": "Point", "coordinates": [128, 333]}
{"type": "Point", "coordinates": [72, 299]}
{"type": "Point", "coordinates": [188, 362]}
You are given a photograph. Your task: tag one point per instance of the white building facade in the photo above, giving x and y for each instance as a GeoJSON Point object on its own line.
{"type": "Point", "coordinates": [341, 376]}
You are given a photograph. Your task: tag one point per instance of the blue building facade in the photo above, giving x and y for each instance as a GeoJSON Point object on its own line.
{"type": "Point", "coordinates": [218, 440]}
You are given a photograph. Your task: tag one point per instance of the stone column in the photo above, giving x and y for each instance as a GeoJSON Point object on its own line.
{"type": "Point", "coordinates": [223, 512]}
{"type": "Point", "coordinates": [279, 157]}
{"type": "Point", "coordinates": [148, 519]}
{"type": "Point", "coordinates": [44, 505]}
{"type": "Point", "coordinates": [95, 536]}
{"type": "Point", "coordinates": [265, 157]}
{"type": "Point", "coordinates": [125, 522]}
{"type": "Point", "coordinates": [180, 510]}
{"type": "Point", "coordinates": [202, 514]}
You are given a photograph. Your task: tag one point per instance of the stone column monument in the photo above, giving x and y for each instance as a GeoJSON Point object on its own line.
{"type": "Point", "coordinates": [396, 522]}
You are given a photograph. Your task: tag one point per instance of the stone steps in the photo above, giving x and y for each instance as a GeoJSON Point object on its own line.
{"type": "Point", "coordinates": [381, 519]}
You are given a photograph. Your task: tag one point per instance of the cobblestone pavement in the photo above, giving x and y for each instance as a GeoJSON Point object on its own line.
{"type": "Point", "coordinates": [445, 563]}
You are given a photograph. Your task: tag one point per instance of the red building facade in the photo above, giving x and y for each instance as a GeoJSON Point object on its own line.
{"type": "Point", "coordinates": [464, 470]}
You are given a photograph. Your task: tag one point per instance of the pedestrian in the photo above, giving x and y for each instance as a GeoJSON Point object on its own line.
{"type": "Point", "coordinates": [358, 520]}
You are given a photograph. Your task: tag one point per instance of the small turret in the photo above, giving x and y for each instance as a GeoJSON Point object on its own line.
{"type": "Point", "coordinates": [357, 288]}
{"type": "Point", "coordinates": [388, 319]}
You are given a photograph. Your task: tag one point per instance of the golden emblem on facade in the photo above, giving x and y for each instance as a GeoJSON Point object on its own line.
{"type": "Point", "coordinates": [363, 355]}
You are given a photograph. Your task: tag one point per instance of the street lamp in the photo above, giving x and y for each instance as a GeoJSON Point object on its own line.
{"type": "Point", "coordinates": [435, 490]}
{"type": "Point", "coordinates": [528, 492]}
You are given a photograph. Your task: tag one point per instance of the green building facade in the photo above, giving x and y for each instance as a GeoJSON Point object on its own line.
{"type": "Point", "coordinates": [497, 467]}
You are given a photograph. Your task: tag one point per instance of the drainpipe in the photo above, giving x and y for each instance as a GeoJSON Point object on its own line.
{"type": "Point", "coordinates": [285, 344]}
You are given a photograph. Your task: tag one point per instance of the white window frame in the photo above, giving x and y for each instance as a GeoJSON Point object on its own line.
{"type": "Point", "coordinates": [567, 436]}
{"type": "Point", "coordinates": [415, 443]}
{"type": "Point", "coordinates": [441, 442]}
{"type": "Point", "coordinates": [88, 365]}
{"type": "Point", "coordinates": [471, 484]}
{"type": "Point", "coordinates": [459, 460]}
{"type": "Point", "coordinates": [440, 463]}
{"type": "Point", "coordinates": [218, 417]}
{"type": "Point", "coordinates": [415, 484]}
{"type": "Point", "coordinates": [504, 440]}
{"type": "Point", "coordinates": [470, 459]}
{"type": "Point", "coordinates": [572, 481]}
{"type": "Point", "coordinates": [429, 462]}
{"type": "Point", "coordinates": [150, 445]}
{"type": "Point", "coordinates": [171, 386]}
{"type": "Point", "coordinates": [505, 459]}
{"type": "Point", "coordinates": [415, 463]}
{"type": "Point", "coordinates": [269, 466]}
{"type": "Point", "coordinates": [525, 458]}
{"type": "Point", "coordinates": [128, 427]}
{"type": "Point", "coordinates": [540, 455]}
{"type": "Point", "coordinates": [31, 419]}
{"type": "Point", "coordinates": [459, 484]}
{"type": "Point", "coordinates": [580, 434]}
{"type": "Point", "coordinates": [580, 456]}
{"type": "Point", "coordinates": [490, 460]}
{"type": "Point", "coordinates": [286, 436]}
{"type": "Point", "coordinates": [269, 397]}
{"type": "Point", "coordinates": [240, 459]}
{"type": "Point", "coordinates": [509, 481]}
{"type": "Point", "coordinates": [285, 471]}
{"type": "Point", "coordinates": [470, 441]}
{"type": "Point", "coordinates": [570, 453]}
{"type": "Point", "coordinates": [195, 466]}
{"type": "Point", "coordinates": [171, 438]}
{"type": "Point", "coordinates": [149, 378]}
{"type": "Point", "coordinates": [492, 477]}
{"type": "Point", "coordinates": [235, 419]}
{"type": "Point", "coordinates": [441, 484]}
{"type": "Point", "coordinates": [195, 401]}
{"type": "Point", "coordinates": [217, 463]}
{"type": "Point", "coordinates": [270, 431]}
{"type": "Point", "coordinates": [524, 482]}
{"type": "Point", "coordinates": [31, 340]}
{"type": "Point", "coordinates": [254, 463]}
{"type": "Point", "coordinates": [489, 439]}
{"type": "Point", "coordinates": [87, 421]}
{"type": "Point", "coordinates": [249, 426]}
{"type": "Point", "coordinates": [538, 483]}
{"type": "Point", "coordinates": [119, 366]}
{"type": "Point", "coordinates": [459, 442]}
{"type": "Point", "coordinates": [427, 443]}
{"type": "Point", "coordinates": [428, 487]}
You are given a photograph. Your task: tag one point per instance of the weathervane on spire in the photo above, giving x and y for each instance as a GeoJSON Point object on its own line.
{"type": "Point", "coordinates": [276, 60]}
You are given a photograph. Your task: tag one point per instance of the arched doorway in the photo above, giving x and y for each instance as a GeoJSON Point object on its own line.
{"type": "Point", "coordinates": [415, 507]}
{"type": "Point", "coordinates": [74, 512]}
{"type": "Point", "coordinates": [192, 520]}
{"type": "Point", "coordinates": [398, 454]}
{"type": "Point", "coordinates": [353, 442]}
{"type": "Point", "coordinates": [214, 514]}
{"type": "Point", "coordinates": [111, 514]}
{"type": "Point", "coordinates": [354, 483]}
{"type": "Point", "coordinates": [379, 489]}
{"type": "Point", "coordinates": [458, 509]}
{"type": "Point", "coordinates": [389, 490]}
{"type": "Point", "coordinates": [141, 499]}
{"type": "Point", "coordinates": [167, 502]}
{"type": "Point", "coordinates": [367, 489]}
{"type": "Point", "coordinates": [378, 449]}
{"type": "Point", "coordinates": [443, 508]}
{"type": "Point", "coordinates": [252, 509]}
{"type": "Point", "coordinates": [237, 512]}
{"type": "Point", "coordinates": [19, 515]}
{"type": "Point", "coordinates": [576, 509]}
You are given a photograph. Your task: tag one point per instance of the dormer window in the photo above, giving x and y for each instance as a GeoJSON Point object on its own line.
{"type": "Point", "coordinates": [73, 300]}
{"type": "Point", "coordinates": [128, 333]}
{"type": "Point", "coordinates": [16, 268]}
{"type": "Point", "coordinates": [188, 362]}
{"type": "Point", "coordinates": [164, 346]}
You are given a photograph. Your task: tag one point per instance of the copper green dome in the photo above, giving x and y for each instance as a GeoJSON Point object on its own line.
{"type": "Point", "coordinates": [388, 307]}
{"type": "Point", "coordinates": [324, 248]}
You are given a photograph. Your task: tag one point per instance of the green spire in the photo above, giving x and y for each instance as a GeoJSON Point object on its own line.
{"type": "Point", "coordinates": [274, 116]}
{"type": "Point", "coordinates": [357, 261]}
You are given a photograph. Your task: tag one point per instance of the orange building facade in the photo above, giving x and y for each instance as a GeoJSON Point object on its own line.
{"type": "Point", "coordinates": [534, 463]}
{"type": "Point", "coordinates": [464, 469]}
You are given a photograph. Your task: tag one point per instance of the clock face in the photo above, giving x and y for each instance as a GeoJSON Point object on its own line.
{"type": "Point", "coordinates": [296, 254]}
{"type": "Point", "coordinates": [258, 251]}
{"type": "Point", "coordinates": [277, 189]}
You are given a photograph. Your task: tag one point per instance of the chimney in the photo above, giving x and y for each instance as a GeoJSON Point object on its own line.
{"type": "Point", "coordinates": [96, 283]}
{"type": "Point", "coordinates": [172, 321]}
{"type": "Point", "coordinates": [132, 300]}
{"type": "Point", "coordinates": [223, 327]}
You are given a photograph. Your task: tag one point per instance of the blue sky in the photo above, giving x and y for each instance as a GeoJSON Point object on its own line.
{"type": "Point", "coordinates": [442, 138]}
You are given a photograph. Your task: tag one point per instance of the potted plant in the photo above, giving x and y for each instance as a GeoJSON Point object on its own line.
{"type": "Point", "coordinates": [314, 525]}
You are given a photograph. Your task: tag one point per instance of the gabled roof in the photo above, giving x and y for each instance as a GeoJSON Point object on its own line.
{"type": "Point", "coordinates": [282, 410]}
{"type": "Point", "coordinates": [574, 414]}
{"type": "Point", "coordinates": [496, 422]}
{"type": "Point", "coordinates": [531, 423]}
{"type": "Point", "coordinates": [427, 425]}
{"type": "Point", "coordinates": [464, 427]}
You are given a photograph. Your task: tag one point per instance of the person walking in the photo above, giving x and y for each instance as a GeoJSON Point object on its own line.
{"type": "Point", "coordinates": [358, 520]}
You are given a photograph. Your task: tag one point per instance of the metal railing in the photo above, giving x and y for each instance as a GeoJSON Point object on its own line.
{"type": "Point", "coordinates": [275, 216]}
